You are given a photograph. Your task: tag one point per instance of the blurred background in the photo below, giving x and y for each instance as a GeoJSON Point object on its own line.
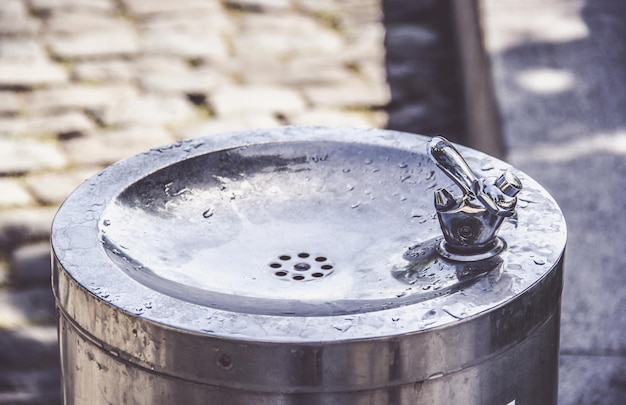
{"type": "Point", "coordinates": [85, 83]}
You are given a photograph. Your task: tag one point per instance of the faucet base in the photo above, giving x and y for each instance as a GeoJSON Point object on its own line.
{"type": "Point", "coordinates": [449, 252]}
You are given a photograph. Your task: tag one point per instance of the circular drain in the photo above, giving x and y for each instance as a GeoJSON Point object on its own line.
{"type": "Point", "coordinates": [301, 267]}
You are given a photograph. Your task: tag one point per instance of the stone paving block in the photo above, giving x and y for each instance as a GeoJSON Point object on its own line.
{"type": "Point", "coordinates": [184, 81]}
{"type": "Point", "coordinates": [19, 26]}
{"type": "Point", "coordinates": [94, 44]}
{"type": "Point", "coordinates": [63, 125]}
{"type": "Point", "coordinates": [161, 63]}
{"type": "Point", "coordinates": [77, 22]}
{"type": "Point", "coordinates": [293, 71]}
{"type": "Point", "coordinates": [52, 188]}
{"type": "Point", "coordinates": [10, 103]}
{"type": "Point", "coordinates": [15, 19]}
{"type": "Point", "coordinates": [148, 110]}
{"type": "Point", "coordinates": [215, 23]}
{"type": "Point", "coordinates": [25, 224]}
{"type": "Point", "coordinates": [109, 147]}
{"type": "Point", "coordinates": [31, 264]}
{"type": "Point", "coordinates": [82, 97]}
{"type": "Point", "coordinates": [13, 194]}
{"type": "Point", "coordinates": [26, 74]}
{"type": "Point", "coordinates": [22, 156]}
{"type": "Point", "coordinates": [22, 49]}
{"type": "Point", "coordinates": [350, 94]}
{"type": "Point", "coordinates": [188, 42]}
{"type": "Point", "coordinates": [28, 347]}
{"type": "Point", "coordinates": [94, 5]}
{"type": "Point", "coordinates": [109, 71]}
{"type": "Point", "coordinates": [366, 44]}
{"type": "Point", "coordinates": [231, 100]}
{"type": "Point", "coordinates": [30, 306]}
{"type": "Point", "coordinates": [358, 12]}
{"type": "Point", "coordinates": [228, 124]}
{"type": "Point", "coordinates": [13, 9]}
{"type": "Point", "coordinates": [146, 7]}
{"type": "Point", "coordinates": [272, 36]}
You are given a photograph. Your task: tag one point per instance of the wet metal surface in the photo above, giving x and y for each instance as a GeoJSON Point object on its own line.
{"type": "Point", "coordinates": [297, 236]}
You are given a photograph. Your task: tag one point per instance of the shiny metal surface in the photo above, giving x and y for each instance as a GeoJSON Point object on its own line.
{"type": "Point", "coordinates": [470, 222]}
{"type": "Point", "coordinates": [298, 265]}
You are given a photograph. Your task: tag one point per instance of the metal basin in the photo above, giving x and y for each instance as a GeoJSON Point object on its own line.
{"type": "Point", "coordinates": [299, 264]}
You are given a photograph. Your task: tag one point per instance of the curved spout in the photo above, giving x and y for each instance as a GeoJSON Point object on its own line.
{"type": "Point", "coordinates": [470, 222]}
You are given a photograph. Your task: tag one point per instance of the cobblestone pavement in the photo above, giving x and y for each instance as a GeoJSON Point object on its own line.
{"type": "Point", "coordinates": [84, 83]}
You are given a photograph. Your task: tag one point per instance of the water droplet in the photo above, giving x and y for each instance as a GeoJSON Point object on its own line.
{"type": "Point", "coordinates": [182, 191]}
{"type": "Point", "coordinates": [368, 161]}
{"type": "Point", "coordinates": [208, 213]}
{"type": "Point", "coordinates": [402, 294]}
{"type": "Point", "coordinates": [426, 287]}
{"type": "Point", "coordinates": [402, 165]}
{"type": "Point", "coordinates": [430, 314]}
{"type": "Point", "coordinates": [430, 175]}
{"type": "Point", "coordinates": [436, 375]}
{"type": "Point", "coordinates": [539, 262]}
{"type": "Point", "coordinates": [106, 222]}
{"type": "Point", "coordinates": [487, 167]}
{"type": "Point", "coordinates": [346, 170]}
{"type": "Point", "coordinates": [355, 205]}
{"type": "Point", "coordinates": [395, 319]}
{"type": "Point", "coordinates": [350, 187]}
{"type": "Point", "coordinates": [405, 177]}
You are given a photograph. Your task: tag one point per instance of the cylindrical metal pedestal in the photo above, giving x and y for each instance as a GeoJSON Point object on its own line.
{"type": "Point", "coordinates": [300, 265]}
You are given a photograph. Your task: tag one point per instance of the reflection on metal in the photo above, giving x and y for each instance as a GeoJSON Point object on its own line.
{"type": "Point", "coordinates": [299, 265]}
{"type": "Point", "coordinates": [426, 269]}
{"type": "Point", "coordinates": [471, 221]}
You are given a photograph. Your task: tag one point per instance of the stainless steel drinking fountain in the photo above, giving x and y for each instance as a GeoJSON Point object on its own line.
{"type": "Point", "coordinates": [309, 265]}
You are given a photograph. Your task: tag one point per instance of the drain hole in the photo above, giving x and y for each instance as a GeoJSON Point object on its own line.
{"type": "Point", "coordinates": [302, 266]}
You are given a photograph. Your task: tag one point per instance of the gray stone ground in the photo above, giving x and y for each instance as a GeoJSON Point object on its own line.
{"type": "Point", "coordinates": [559, 70]}
{"type": "Point", "coordinates": [84, 83]}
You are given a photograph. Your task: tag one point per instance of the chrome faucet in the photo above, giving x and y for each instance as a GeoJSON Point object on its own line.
{"type": "Point", "coordinates": [470, 222]}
